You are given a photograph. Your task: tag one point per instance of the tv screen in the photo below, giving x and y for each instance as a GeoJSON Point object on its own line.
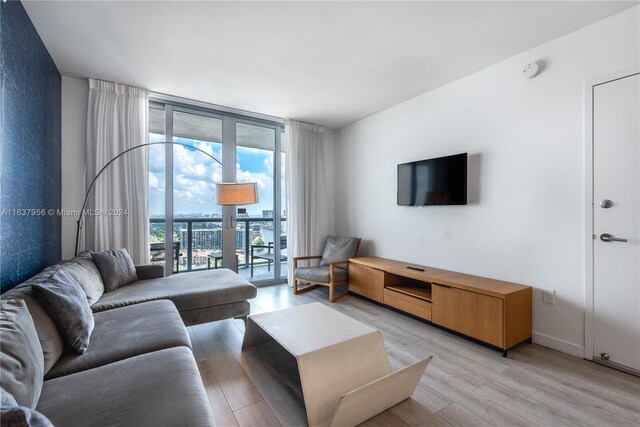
{"type": "Point", "coordinates": [440, 181]}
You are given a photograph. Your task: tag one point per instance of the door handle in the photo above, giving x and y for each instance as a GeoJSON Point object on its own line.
{"type": "Point", "coordinates": [606, 237]}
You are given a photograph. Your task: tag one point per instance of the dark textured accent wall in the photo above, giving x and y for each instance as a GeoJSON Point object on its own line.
{"type": "Point", "coordinates": [30, 164]}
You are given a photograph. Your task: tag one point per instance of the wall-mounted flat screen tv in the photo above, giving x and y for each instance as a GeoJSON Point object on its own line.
{"type": "Point", "coordinates": [439, 181]}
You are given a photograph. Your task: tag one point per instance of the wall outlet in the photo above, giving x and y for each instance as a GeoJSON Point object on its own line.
{"type": "Point", "coordinates": [548, 296]}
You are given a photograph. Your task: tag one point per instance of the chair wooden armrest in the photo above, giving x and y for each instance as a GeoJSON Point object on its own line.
{"type": "Point", "coordinates": [302, 258]}
{"type": "Point", "coordinates": [332, 266]}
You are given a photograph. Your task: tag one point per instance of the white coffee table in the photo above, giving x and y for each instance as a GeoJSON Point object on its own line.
{"type": "Point", "coordinates": [345, 374]}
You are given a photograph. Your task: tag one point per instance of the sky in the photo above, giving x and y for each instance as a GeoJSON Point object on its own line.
{"type": "Point", "coordinates": [195, 176]}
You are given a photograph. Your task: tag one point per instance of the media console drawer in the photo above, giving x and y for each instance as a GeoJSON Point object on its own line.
{"type": "Point", "coordinates": [412, 305]}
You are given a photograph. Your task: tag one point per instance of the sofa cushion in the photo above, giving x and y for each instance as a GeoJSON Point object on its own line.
{"type": "Point", "coordinates": [320, 274]}
{"type": "Point", "coordinates": [188, 291]}
{"type": "Point", "coordinates": [126, 332]}
{"type": "Point", "coordinates": [85, 272]}
{"type": "Point", "coordinates": [50, 339]}
{"type": "Point", "coordinates": [66, 303]}
{"type": "Point", "coordinates": [339, 249]}
{"type": "Point", "coordinates": [13, 415]}
{"type": "Point", "coordinates": [21, 360]}
{"type": "Point", "coordinates": [116, 268]}
{"type": "Point", "coordinates": [162, 388]}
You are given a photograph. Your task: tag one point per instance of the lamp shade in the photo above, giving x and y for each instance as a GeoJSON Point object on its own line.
{"type": "Point", "coordinates": [237, 193]}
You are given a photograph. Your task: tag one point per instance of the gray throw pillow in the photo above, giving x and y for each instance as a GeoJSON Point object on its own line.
{"type": "Point", "coordinates": [338, 249]}
{"type": "Point", "coordinates": [66, 303]}
{"type": "Point", "coordinates": [83, 269]}
{"type": "Point", "coordinates": [21, 360]}
{"type": "Point", "coordinates": [116, 268]}
{"type": "Point", "coordinates": [12, 415]}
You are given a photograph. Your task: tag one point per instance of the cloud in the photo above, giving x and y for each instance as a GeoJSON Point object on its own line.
{"type": "Point", "coordinates": [195, 176]}
{"type": "Point", "coordinates": [246, 176]}
{"type": "Point", "coordinates": [156, 159]}
{"type": "Point", "coordinates": [153, 181]}
{"type": "Point", "coordinates": [252, 150]}
{"type": "Point", "coordinates": [268, 165]}
{"type": "Point", "coordinates": [207, 147]}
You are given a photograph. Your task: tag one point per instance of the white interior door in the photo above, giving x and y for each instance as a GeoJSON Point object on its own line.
{"type": "Point", "coordinates": [616, 222]}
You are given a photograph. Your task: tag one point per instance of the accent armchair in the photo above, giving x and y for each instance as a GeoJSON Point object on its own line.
{"type": "Point", "coordinates": [333, 269]}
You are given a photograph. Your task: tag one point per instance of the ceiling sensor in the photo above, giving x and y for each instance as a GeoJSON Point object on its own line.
{"type": "Point", "coordinates": [530, 70]}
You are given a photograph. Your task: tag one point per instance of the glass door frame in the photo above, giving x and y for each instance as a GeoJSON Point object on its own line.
{"type": "Point", "coordinates": [229, 147]}
{"type": "Point", "coordinates": [277, 193]}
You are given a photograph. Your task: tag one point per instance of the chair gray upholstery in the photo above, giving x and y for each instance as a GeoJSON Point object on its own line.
{"type": "Point", "coordinates": [339, 248]}
{"type": "Point", "coordinates": [126, 332]}
{"type": "Point", "coordinates": [162, 388]}
{"type": "Point", "coordinates": [320, 274]}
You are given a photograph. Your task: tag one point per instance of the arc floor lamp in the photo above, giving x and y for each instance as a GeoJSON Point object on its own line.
{"type": "Point", "coordinates": [227, 193]}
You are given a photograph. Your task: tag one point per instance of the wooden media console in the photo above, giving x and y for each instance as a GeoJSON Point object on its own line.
{"type": "Point", "coordinates": [492, 311]}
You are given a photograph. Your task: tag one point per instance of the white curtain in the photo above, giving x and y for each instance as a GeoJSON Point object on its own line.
{"type": "Point", "coordinates": [305, 182]}
{"type": "Point", "coordinates": [117, 119]}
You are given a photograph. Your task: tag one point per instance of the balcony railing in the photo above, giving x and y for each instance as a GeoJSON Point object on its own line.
{"type": "Point", "coordinates": [197, 242]}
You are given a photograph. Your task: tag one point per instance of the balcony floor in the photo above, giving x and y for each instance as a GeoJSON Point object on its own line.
{"type": "Point", "coordinates": [260, 272]}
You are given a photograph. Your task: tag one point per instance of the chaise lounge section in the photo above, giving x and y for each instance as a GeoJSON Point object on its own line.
{"type": "Point", "coordinates": [199, 296]}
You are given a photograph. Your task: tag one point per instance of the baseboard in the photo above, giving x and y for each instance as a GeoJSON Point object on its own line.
{"type": "Point", "coordinates": [558, 344]}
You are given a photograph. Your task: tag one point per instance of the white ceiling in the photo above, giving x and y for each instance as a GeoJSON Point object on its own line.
{"type": "Point", "coordinates": [329, 63]}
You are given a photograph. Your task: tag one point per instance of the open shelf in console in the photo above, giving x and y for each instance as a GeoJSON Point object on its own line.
{"type": "Point", "coordinates": [421, 291]}
{"type": "Point", "coordinates": [408, 286]}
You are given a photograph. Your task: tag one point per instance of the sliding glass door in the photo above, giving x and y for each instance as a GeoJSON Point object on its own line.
{"type": "Point", "coordinates": [259, 243]}
{"type": "Point", "coordinates": [182, 193]}
{"type": "Point", "coordinates": [157, 171]}
{"type": "Point", "coordinates": [197, 219]}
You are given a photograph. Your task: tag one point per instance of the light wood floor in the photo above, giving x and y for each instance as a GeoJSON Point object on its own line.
{"type": "Point", "coordinates": [466, 384]}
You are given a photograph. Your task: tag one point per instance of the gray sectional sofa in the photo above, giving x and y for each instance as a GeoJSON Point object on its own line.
{"type": "Point", "coordinates": [139, 369]}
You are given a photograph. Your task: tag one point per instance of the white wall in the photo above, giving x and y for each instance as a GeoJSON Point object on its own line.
{"type": "Point", "coordinates": [75, 93]}
{"type": "Point", "coordinates": [525, 138]}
